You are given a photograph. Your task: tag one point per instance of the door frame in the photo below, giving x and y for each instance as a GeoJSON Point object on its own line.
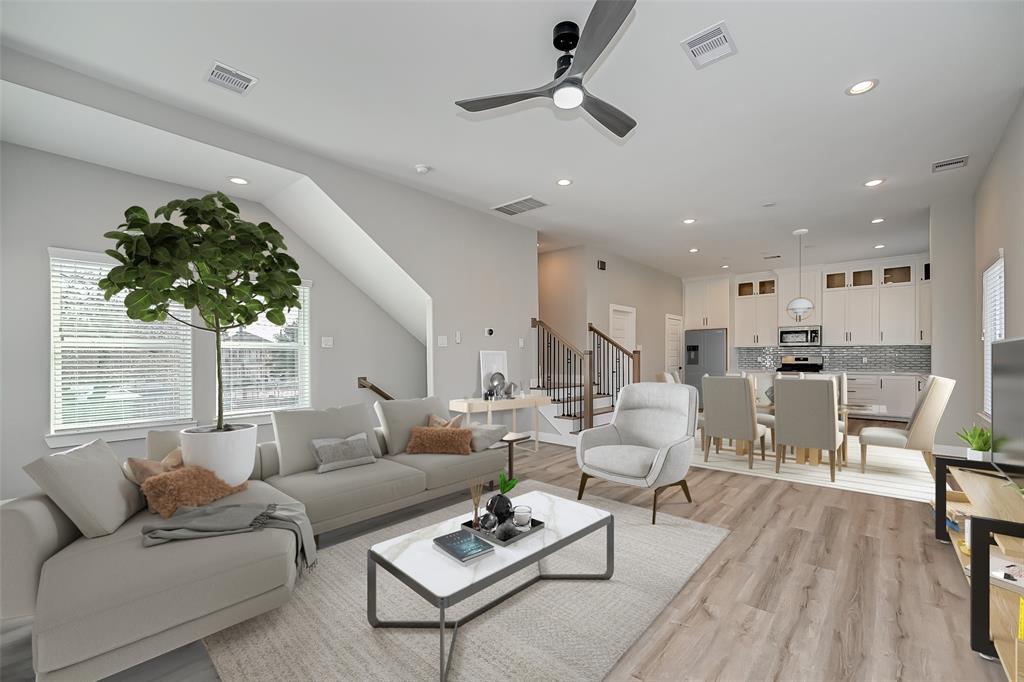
{"type": "Point", "coordinates": [682, 343]}
{"type": "Point", "coordinates": [612, 308]}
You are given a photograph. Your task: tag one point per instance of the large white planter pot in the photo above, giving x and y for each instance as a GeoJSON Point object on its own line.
{"type": "Point", "coordinates": [229, 454]}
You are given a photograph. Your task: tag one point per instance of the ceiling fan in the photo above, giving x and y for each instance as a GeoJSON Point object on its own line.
{"type": "Point", "coordinates": [566, 90]}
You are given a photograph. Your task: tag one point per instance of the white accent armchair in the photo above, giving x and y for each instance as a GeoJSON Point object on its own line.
{"type": "Point", "coordinates": [649, 443]}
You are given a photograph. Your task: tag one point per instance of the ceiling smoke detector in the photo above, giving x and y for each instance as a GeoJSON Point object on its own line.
{"type": "Point", "coordinates": [709, 46]}
{"type": "Point", "coordinates": [949, 164]}
{"type": "Point", "coordinates": [231, 78]}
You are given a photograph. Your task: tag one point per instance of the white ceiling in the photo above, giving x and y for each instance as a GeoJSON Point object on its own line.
{"type": "Point", "coordinates": [372, 84]}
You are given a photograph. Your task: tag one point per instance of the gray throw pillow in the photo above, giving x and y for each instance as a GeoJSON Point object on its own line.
{"type": "Point", "coordinates": [295, 429]}
{"type": "Point", "coordinates": [486, 435]}
{"type": "Point", "coordinates": [341, 453]}
{"type": "Point", "coordinates": [88, 485]}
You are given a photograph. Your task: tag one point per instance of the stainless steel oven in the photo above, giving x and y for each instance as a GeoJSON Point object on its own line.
{"type": "Point", "coordinates": [800, 336]}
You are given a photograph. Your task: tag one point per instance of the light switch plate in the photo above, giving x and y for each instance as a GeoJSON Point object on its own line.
{"type": "Point", "coordinates": [327, 342]}
{"type": "Point", "coordinates": [458, 336]}
{"type": "Point", "coordinates": [522, 342]}
{"type": "Point", "coordinates": [442, 342]}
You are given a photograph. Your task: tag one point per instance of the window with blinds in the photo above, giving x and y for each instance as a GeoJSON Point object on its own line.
{"type": "Point", "coordinates": [266, 367]}
{"type": "Point", "coordinates": [107, 370]}
{"type": "Point", "coordinates": [992, 322]}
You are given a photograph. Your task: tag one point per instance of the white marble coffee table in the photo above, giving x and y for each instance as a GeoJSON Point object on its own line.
{"type": "Point", "coordinates": [442, 581]}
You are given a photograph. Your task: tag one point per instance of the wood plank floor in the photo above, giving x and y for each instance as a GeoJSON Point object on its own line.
{"type": "Point", "coordinates": [811, 584]}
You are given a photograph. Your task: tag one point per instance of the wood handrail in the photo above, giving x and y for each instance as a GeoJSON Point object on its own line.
{"type": "Point", "coordinates": [591, 327]}
{"type": "Point", "coordinates": [363, 382]}
{"type": "Point", "coordinates": [534, 323]}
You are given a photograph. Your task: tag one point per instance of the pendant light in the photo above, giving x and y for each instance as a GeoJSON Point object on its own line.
{"type": "Point", "coordinates": [800, 308]}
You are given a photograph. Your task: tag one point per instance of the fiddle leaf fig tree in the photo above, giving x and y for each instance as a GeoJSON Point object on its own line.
{"type": "Point", "coordinates": [228, 270]}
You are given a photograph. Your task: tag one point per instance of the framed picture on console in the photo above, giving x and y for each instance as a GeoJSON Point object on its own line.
{"type": "Point", "coordinates": [492, 361]}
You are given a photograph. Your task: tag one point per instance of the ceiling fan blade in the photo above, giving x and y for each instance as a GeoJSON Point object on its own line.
{"type": "Point", "coordinates": [611, 118]}
{"type": "Point", "coordinates": [495, 101]}
{"type": "Point", "coordinates": [603, 23]}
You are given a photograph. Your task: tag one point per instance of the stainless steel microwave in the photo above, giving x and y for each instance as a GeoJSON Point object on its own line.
{"type": "Point", "coordinates": [800, 336]}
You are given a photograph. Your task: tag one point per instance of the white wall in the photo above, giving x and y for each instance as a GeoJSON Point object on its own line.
{"type": "Point", "coordinates": [50, 200]}
{"type": "Point", "coordinates": [999, 221]}
{"type": "Point", "coordinates": [956, 350]}
{"type": "Point", "coordinates": [562, 290]}
{"type": "Point", "coordinates": [479, 270]}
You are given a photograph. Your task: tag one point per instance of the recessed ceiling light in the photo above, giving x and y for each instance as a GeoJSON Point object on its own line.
{"type": "Point", "coordinates": [564, 182]}
{"type": "Point", "coordinates": [800, 231]}
{"type": "Point", "coordinates": [724, 267]}
{"type": "Point", "coordinates": [689, 221]}
{"type": "Point", "coordinates": [877, 220]}
{"type": "Point", "coordinates": [239, 181]}
{"type": "Point", "coordinates": [694, 250]}
{"type": "Point", "coordinates": [862, 87]}
{"type": "Point", "coordinates": [879, 246]}
{"type": "Point", "coordinates": [874, 182]}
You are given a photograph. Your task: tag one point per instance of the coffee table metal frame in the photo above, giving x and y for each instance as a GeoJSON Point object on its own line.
{"type": "Point", "coordinates": [443, 603]}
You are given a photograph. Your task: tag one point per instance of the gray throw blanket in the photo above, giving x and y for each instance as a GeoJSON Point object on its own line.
{"type": "Point", "coordinates": [189, 523]}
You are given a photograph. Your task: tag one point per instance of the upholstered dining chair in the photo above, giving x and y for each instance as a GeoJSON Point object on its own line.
{"type": "Point", "coordinates": [807, 416]}
{"type": "Point", "coordinates": [729, 412]}
{"type": "Point", "coordinates": [665, 378]}
{"type": "Point", "coordinates": [920, 431]}
{"type": "Point", "coordinates": [841, 397]}
{"type": "Point", "coordinates": [648, 444]}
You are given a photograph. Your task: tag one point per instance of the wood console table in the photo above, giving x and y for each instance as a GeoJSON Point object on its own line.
{"type": "Point", "coordinates": [468, 406]}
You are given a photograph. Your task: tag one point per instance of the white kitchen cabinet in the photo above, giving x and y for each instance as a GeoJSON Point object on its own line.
{"type": "Point", "coordinates": [899, 394]}
{"type": "Point", "coordinates": [789, 287]}
{"type": "Point", "coordinates": [756, 322]}
{"type": "Point", "coordinates": [899, 274]}
{"type": "Point", "coordinates": [851, 278]}
{"type": "Point", "coordinates": [707, 303]}
{"type": "Point", "coordinates": [849, 317]}
{"type": "Point", "coordinates": [897, 315]}
{"type": "Point", "coordinates": [924, 312]}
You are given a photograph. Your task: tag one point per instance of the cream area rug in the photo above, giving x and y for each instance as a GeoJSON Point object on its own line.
{"type": "Point", "coordinates": [553, 630]}
{"type": "Point", "coordinates": [890, 472]}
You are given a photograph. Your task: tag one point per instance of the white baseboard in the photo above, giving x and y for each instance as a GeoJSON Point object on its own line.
{"type": "Point", "coordinates": [569, 440]}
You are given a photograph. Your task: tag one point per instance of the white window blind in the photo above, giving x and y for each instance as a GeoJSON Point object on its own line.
{"type": "Point", "coordinates": [266, 367]}
{"type": "Point", "coordinates": [992, 321]}
{"type": "Point", "coordinates": [106, 370]}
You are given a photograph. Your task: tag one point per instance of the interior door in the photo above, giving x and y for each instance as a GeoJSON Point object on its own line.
{"type": "Point", "coordinates": [862, 316]}
{"type": "Point", "coordinates": [674, 344]}
{"type": "Point", "coordinates": [622, 325]}
{"type": "Point", "coordinates": [833, 318]}
{"type": "Point", "coordinates": [897, 318]}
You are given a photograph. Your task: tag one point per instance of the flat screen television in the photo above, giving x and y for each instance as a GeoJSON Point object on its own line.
{"type": "Point", "coordinates": [1008, 408]}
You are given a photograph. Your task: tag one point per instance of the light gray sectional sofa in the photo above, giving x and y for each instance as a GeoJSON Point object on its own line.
{"type": "Point", "coordinates": [103, 604]}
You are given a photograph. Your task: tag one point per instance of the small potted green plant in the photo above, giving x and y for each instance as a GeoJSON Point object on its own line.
{"type": "Point", "coordinates": [979, 442]}
{"type": "Point", "coordinates": [226, 269]}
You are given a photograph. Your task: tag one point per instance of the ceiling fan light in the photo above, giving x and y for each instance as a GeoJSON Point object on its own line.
{"type": "Point", "coordinates": [799, 308]}
{"type": "Point", "coordinates": [568, 97]}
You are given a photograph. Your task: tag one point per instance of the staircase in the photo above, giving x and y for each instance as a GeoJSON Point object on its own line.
{"type": "Point", "coordinates": [583, 384]}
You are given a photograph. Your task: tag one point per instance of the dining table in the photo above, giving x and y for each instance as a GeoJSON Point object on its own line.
{"type": "Point", "coordinates": [812, 456]}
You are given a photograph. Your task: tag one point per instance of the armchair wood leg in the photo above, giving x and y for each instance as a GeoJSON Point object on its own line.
{"type": "Point", "coordinates": [686, 490]}
{"type": "Point", "coordinates": [863, 456]}
{"type": "Point", "coordinates": [707, 447]}
{"type": "Point", "coordinates": [583, 484]}
{"type": "Point", "coordinates": [762, 448]}
{"type": "Point", "coordinates": [832, 465]}
{"type": "Point", "coordinates": [654, 507]}
{"type": "Point", "coordinates": [780, 452]}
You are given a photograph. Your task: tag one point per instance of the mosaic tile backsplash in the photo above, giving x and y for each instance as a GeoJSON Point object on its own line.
{"type": "Point", "coordinates": [844, 358]}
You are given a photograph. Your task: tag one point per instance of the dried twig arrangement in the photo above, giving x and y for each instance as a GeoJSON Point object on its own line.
{"type": "Point", "coordinates": [476, 493]}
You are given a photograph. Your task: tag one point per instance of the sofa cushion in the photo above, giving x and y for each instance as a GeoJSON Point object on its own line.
{"type": "Point", "coordinates": [97, 595]}
{"type": "Point", "coordinates": [884, 436]}
{"type": "Point", "coordinates": [443, 470]}
{"type": "Point", "coordinates": [344, 491]}
{"type": "Point", "coordinates": [486, 435]}
{"type": "Point", "coordinates": [397, 417]}
{"type": "Point", "coordinates": [294, 431]}
{"type": "Point", "coordinates": [88, 485]}
{"type": "Point", "coordinates": [634, 461]}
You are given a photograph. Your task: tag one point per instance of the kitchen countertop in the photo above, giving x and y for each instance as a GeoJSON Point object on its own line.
{"type": "Point", "coordinates": [866, 372]}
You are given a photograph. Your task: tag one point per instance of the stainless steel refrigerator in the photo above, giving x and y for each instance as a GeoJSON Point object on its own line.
{"type": "Point", "coordinates": [705, 353]}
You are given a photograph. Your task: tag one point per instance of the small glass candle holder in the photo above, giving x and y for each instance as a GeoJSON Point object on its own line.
{"type": "Point", "coordinates": [521, 517]}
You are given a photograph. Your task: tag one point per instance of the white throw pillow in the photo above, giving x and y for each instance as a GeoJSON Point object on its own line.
{"type": "Point", "coordinates": [294, 430]}
{"type": "Point", "coordinates": [88, 485]}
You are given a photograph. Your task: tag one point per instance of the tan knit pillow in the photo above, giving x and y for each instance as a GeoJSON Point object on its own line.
{"type": "Point", "coordinates": [185, 487]}
{"type": "Point", "coordinates": [440, 422]}
{"type": "Point", "coordinates": [440, 441]}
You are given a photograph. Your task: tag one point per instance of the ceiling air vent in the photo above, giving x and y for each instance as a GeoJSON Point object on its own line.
{"type": "Point", "coordinates": [949, 164]}
{"type": "Point", "coordinates": [231, 79]}
{"type": "Point", "coordinates": [709, 46]}
{"type": "Point", "coordinates": [519, 206]}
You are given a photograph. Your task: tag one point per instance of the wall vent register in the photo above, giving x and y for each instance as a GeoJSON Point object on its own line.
{"type": "Point", "coordinates": [520, 206]}
{"type": "Point", "coordinates": [230, 78]}
{"type": "Point", "coordinates": [709, 46]}
{"type": "Point", "coordinates": [949, 164]}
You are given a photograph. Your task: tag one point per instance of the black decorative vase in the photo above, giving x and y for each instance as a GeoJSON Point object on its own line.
{"type": "Point", "coordinates": [501, 506]}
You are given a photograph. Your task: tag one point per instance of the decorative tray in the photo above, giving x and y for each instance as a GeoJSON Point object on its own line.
{"type": "Point", "coordinates": [535, 525]}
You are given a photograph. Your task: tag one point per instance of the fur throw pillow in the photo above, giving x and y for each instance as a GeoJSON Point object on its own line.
{"type": "Point", "coordinates": [185, 487]}
{"type": "Point", "coordinates": [439, 441]}
{"type": "Point", "coordinates": [138, 470]}
{"type": "Point", "coordinates": [440, 422]}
